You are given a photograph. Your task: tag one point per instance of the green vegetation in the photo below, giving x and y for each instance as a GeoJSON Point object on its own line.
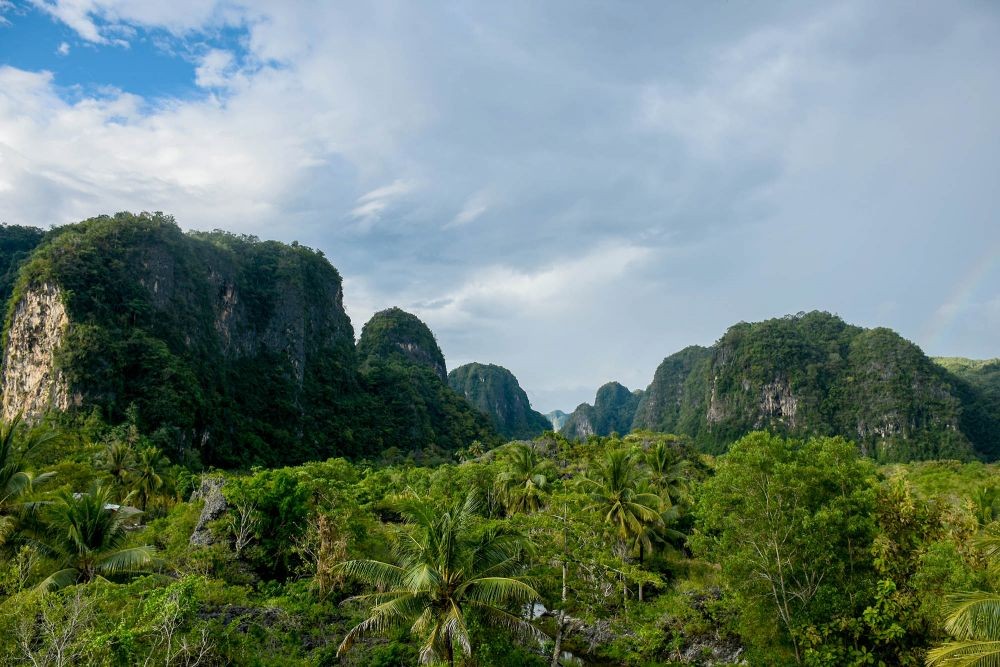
{"type": "Point", "coordinates": [232, 351]}
{"type": "Point", "coordinates": [633, 551]}
{"type": "Point", "coordinates": [783, 524]}
{"type": "Point", "coordinates": [403, 370]}
{"type": "Point", "coordinates": [813, 374]}
{"type": "Point", "coordinates": [16, 244]}
{"type": "Point", "coordinates": [494, 391]}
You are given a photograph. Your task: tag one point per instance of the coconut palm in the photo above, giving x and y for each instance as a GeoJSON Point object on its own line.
{"type": "Point", "coordinates": [666, 472]}
{"type": "Point", "coordinates": [618, 490]}
{"type": "Point", "coordinates": [973, 619]}
{"type": "Point", "coordinates": [444, 572]}
{"type": "Point", "coordinates": [16, 482]}
{"type": "Point", "coordinates": [118, 461]}
{"type": "Point", "coordinates": [85, 533]}
{"type": "Point", "coordinates": [145, 477]}
{"type": "Point", "coordinates": [524, 485]}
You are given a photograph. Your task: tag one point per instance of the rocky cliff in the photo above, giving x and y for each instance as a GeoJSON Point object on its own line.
{"type": "Point", "coordinates": [557, 418]}
{"type": "Point", "coordinates": [237, 348]}
{"type": "Point", "coordinates": [494, 391]}
{"type": "Point", "coordinates": [814, 374]}
{"type": "Point", "coordinates": [613, 411]}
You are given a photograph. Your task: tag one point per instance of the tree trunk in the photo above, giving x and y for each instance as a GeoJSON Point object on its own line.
{"type": "Point", "coordinates": [557, 649]}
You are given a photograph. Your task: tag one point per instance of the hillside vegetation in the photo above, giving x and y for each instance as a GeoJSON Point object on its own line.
{"type": "Point", "coordinates": [813, 374]}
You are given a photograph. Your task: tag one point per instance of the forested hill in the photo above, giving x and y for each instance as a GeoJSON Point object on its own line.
{"type": "Point", "coordinates": [496, 392]}
{"type": "Point", "coordinates": [220, 347]}
{"type": "Point", "coordinates": [613, 411]}
{"type": "Point", "coordinates": [812, 374]}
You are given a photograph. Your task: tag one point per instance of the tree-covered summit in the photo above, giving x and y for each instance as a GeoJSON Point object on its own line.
{"type": "Point", "coordinates": [224, 347]}
{"type": "Point", "coordinates": [814, 374]}
{"type": "Point", "coordinates": [496, 392]}
{"type": "Point", "coordinates": [395, 333]}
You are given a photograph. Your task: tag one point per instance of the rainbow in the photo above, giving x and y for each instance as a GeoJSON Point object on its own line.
{"type": "Point", "coordinates": [964, 294]}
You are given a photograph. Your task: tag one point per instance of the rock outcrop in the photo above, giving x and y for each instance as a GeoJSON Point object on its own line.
{"type": "Point", "coordinates": [613, 411]}
{"type": "Point", "coordinates": [495, 392]}
{"type": "Point", "coordinates": [32, 384]}
{"type": "Point", "coordinates": [237, 347]}
{"type": "Point", "coordinates": [213, 507]}
{"type": "Point", "coordinates": [813, 374]}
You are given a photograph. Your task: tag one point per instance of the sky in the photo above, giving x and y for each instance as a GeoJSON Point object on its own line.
{"type": "Point", "coordinates": [571, 189]}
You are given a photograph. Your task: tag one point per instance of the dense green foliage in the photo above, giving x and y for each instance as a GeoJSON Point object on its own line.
{"type": "Point", "coordinates": [16, 244]}
{"type": "Point", "coordinates": [632, 551]}
{"type": "Point", "coordinates": [235, 350]}
{"type": "Point", "coordinates": [813, 374]}
{"type": "Point", "coordinates": [403, 369]}
{"type": "Point", "coordinates": [494, 391]}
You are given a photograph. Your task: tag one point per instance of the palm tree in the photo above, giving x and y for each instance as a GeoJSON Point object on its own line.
{"type": "Point", "coordinates": [973, 619]}
{"type": "Point", "coordinates": [666, 472]}
{"type": "Point", "coordinates": [524, 485]}
{"type": "Point", "coordinates": [16, 482]}
{"type": "Point", "coordinates": [85, 533]}
{"type": "Point", "coordinates": [445, 572]}
{"type": "Point", "coordinates": [146, 479]}
{"type": "Point", "coordinates": [618, 491]}
{"type": "Point", "coordinates": [119, 462]}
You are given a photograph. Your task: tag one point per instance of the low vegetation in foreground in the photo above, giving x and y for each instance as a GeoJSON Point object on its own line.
{"type": "Point", "coordinates": [633, 551]}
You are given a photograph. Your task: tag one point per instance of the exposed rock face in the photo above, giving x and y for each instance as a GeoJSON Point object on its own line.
{"type": "Point", "coordinates": [31, 383]}
{"type": "Point", "coordinates": [613, 412]}
{"type": "Point", "coordinates": [210, 492]}
{"type": "Point", "coordinates": [660, 408]}
{"type": "Point", "coordinates": [495, 392]}
{"type": "Point", "coordinates": [242, 348]}
{"type": "Point", "coordinates": [812, 374]}
{"type": "Point", "coordinates": [558, 419]}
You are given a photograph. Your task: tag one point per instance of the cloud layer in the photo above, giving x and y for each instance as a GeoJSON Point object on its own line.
{"type": "Point", "coordinates": [571, 190]}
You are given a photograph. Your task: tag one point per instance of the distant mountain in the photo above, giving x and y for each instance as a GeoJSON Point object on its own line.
{"type": "Point", "coordinates": [557, 418]}
{"type": "Point", "coordinates": [402, 366]}
{"type": "Point", "coordinates": [814, 374]}
{"type": "Point", "coordinates": [494, 391]}
{"type": "Point", "coordinates": [612, 412]}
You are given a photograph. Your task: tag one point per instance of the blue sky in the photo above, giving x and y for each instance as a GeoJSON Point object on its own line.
{"type": "Point", "coordinates": [571, 189]}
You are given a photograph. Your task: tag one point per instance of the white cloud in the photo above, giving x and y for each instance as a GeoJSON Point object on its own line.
{"type": "Point", "coordinates": [63, 49]}
{"type": "Point", "coordinates": [501, 291]}
{"type": "Point", "coordinates": [474, 207]}
{"type": "Point", "coordinates": [371, 205]}
{"type": "Point", "coordinates": [102, 21]}
{"type": "Point", "coordinates": [215, 69]}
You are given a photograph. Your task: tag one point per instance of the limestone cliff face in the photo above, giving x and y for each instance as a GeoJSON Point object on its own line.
{"type": "Point", "coordinates": [31, 383]}
{"type": "Point", "coordinates": [812, 374]}
{"type": "Point", "coordinates": [237, 347]}
{"type": "Point", "coordinates": [494, 391]}
{"type": "Point", "coordinates": [613, 411]}
{"type": "Point", "coordinates": [660, 408]}
{"type": "Point", "coordinates": [557, 418]}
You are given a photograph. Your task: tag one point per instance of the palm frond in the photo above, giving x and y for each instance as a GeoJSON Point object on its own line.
{"type": "Point", "coordinates": [974, 615]}
{"type": "Point", "coordinates": [498, 590]}
{"type": "Point", "coordinates": [372, 572]}
{"type": "Point", "coordinates": [516, 625]}
{"type": "Point", "coordinates": [381, 619]}
{"type": "Point", "coordinates": [60, 579]}
{"type": "Point", "coordinates": [127, 560]}
{"type": "Point", "coordinates": [969, 653]}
